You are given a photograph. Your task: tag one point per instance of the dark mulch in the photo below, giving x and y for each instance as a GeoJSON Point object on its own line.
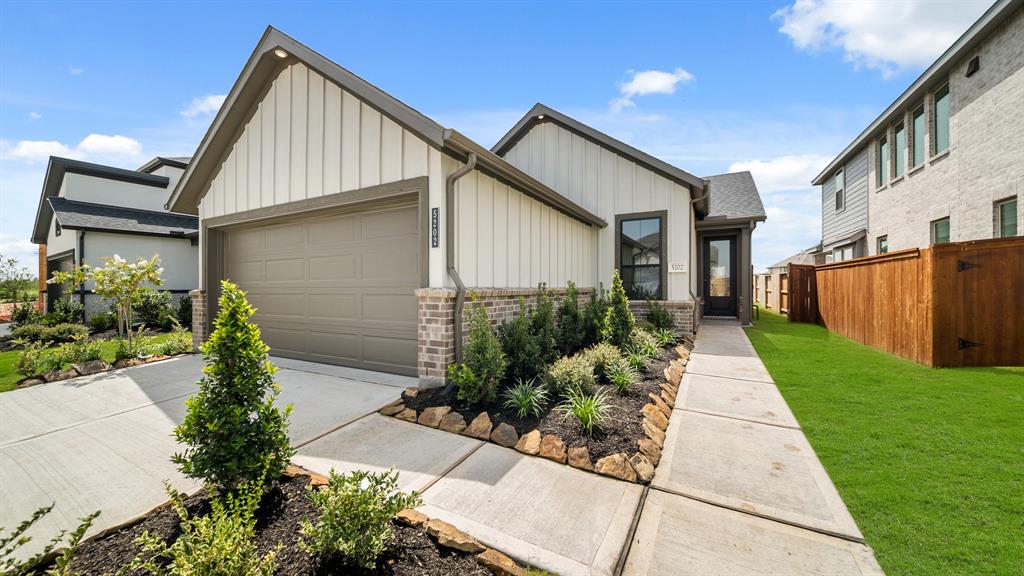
{"type": "Point", "coordinates": [620, 434]}
{"type": "Point", "coordinates": [410, 553]}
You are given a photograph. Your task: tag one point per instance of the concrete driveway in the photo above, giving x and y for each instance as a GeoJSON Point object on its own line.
{"type": "Point", "coordinates": [104, 442]}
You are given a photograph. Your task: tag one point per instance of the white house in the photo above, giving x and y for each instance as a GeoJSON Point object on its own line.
{"type": "Point", "coordinates": [357, 225]}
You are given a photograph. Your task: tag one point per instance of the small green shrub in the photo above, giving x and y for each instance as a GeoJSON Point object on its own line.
{"type": "Point", "coordinates": [29, 333]}
{"type": "Point", "coordinates": [131, 347]}
{"type": "Point", "coordinates": [645, 325]}
{"type": "Point", "coordinates": [30, 359]}
{"type": "Point", "coordinates": [570, 322]}
{"type": "Point", "coordinates": [659, 317]}
{"type": "Point", "coordinates": [55, 334]}
{"type": "Point", "coordinates": [220, 543]}
{"type": "Point", "coordinates": [644, 342]}
{"type": "Point", "coordinates": [526, 398]}
{"type": "Point", "coordinates": [178, 342]}
{"type": "Point", "coordinates": [25, 313]}
{"type": "Point", "coordinates": [185, 311]}
{"type": "Point", "coordinates": [84, 350]}
{"type": "Point", "coordinates": [570, 374]}
{"type": "Point", "coordinates": [603, 356]}
{"type": "Point", "coordinates": [52, 360]}
{"type": "Point", "coordinates": [622, 376]}
{"type": "Point", "coordinates": [637, 361]}
{"type": "Point", "coordinates": [102, 322]}
{"type": "Point", "coordinates": [233, 431]}
{"type": "Point", "coordinates": [589, 409]}
{"type": "Point", "coordinates": [153, 308]}
{"type": "Point", "coordinates": [354, 516]}
{"type": "Point", "coordinates": [544, 325]}
{"type": "Point", "coordinates": [618, 319]}
{"type": "Point", "coordinates": [9, 544]}
{"type": "Point", "coordinates": [593, 317]}
{"type": "Point", "coordinates": [478, 376]}
{"type": "Point", "coordinates": [521, 346]}
{"type": "Point", "coordinates": [665, 338]}
{"type": "Point", "coordinates": [64, 311]}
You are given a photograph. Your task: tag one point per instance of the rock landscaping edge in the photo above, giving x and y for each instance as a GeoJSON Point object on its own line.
{"type": "Point", "coordinates": [92, 367]}
{"type": "Point", "coordinates": [638, 467]}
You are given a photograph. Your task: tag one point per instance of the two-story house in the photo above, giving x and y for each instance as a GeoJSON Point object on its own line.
{"type": "Point", "coordinates": [945, 161]}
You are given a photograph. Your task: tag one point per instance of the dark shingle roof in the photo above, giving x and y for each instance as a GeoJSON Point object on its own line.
{"type": "Point", "coordinates": [89, 216]}
{"type": "Point", "coordinates": [734, 196]}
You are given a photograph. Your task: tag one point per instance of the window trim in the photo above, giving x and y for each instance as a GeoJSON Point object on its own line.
{"type": "Point", "coordinates": [934, 132]}
{"type": "Point", "coordinates": [997, 214]}
{"type": "Point", "coordinates": [661, 215]}
{"type": "Point", "coordinates": [880, 171]}
{"type": "Point", "coordinates": [878, 244]}
{"type": "Point", "coordinates": [931, 230]}
{"type": "Point", "coordinates": [899, 168]}
{"type": "Point", "coordinates": [913, 136]}
{"type": "Point", "coordinates": [840, 192]}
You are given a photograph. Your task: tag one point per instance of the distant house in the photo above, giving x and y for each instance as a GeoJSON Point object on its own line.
{"type": "Point", "coordinates": [771, 288]}
{"type": "Point", "coordinates": [88, 211]}
{"type": "Point", "coordinates": [945, 161]}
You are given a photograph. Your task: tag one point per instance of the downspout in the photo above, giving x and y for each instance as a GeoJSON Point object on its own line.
{"type": "Point", "coordinates": [698, 312]}
{"type": "Point", "coordinates": [449, 240]}
{"type": "Point", "coordinates": [81, 260]}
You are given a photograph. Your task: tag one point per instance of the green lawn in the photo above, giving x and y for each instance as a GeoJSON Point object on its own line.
{"type": "Point", "coordinates": [930, 462]}
{"type": "Point", "coordinates": [9, 378]}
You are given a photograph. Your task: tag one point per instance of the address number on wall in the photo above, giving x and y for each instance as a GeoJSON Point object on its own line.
{"type": "Point", "coordinates": [677, 267]}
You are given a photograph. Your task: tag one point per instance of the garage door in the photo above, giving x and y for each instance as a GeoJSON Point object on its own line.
{"type": "Point", "coordinates": [335, 288]}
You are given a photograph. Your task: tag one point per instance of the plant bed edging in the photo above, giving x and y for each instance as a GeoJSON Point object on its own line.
{"type": "Point", "coordinates": [91, 368]}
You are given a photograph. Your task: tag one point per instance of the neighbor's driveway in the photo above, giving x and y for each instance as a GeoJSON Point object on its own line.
{"type": "Point", "coordinates": [104, 442]}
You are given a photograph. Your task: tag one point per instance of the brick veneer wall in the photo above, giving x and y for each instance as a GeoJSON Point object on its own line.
{"type": "Point", "coordinates": [200, 323]}
{"type": "Point", "coordinates": [682, 312]}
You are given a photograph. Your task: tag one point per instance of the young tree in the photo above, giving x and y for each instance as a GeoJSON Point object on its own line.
{"type": "Point", "coordinates": [14, 279]}
{"type": "Point", "coordinates": [570, 322]}
{"type": "Point", "coordinates": [618, 319]}
{"type": "Point", "coordinates": [233, 430]}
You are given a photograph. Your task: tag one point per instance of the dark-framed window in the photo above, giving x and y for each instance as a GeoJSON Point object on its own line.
{"type": "Point", "coordinates": [883, 244]}
{"type": "Point", "coordinates": [641, 242]}
{"type": "Point", "coordinates": [840, 192]}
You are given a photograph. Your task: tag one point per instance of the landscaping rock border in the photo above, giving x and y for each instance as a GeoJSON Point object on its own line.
{"type": "Point", "coordinates": [90, 368]}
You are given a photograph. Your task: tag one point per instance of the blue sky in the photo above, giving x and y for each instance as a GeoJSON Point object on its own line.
{"type": "Point", "coordinates": [775, 87]}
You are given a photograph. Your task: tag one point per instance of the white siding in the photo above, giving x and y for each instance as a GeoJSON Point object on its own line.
{"type": "Point", "coordinates": [608, 184]}
{"type": "Point", "coordinates": [99, 190]}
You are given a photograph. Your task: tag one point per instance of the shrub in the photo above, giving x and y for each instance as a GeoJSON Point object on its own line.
{"type": "Point", "coordinates": [64, 311]}
{"type": "Point", "coordinates": [52, 360]}
{"type": "Point", "coordinates": [84, 350]}
{"type": "Point", "coordinates": [354, 516]}
{"type": "Point", "coordinates": [218, 544]}
{"type": "Point", "coordinates": [603, 356]}
{"type": "Point", "coordinates": [521, 346]}
{"type": "Point", "coordinates": [30, 359]}
{"type": "Point", "coordinates": [29, 333]}
{"type": "Point", "coordinates": [593, 317]}
{"type": "Point", "coordinates": [644, 342]}
{"type": "Point", "coordinates": [622, 376]}
{"type": "Point", "coordinates": [526, 398]}
{"type": "Point", "coordinates": [234, 432]}
{"type": "Point", "coordinates": [659, 317]}
{"type": "Point", "coordinates": [153, 308]}
{"type": "Point", "coordinates": [570, 374]}
{"type": "Point", "coordinates": [589, 409]}
{"type": "Point", "coordinates": [55, 334]}
{"type": "Point", "coordinates": [25, 313]}
{"type": "Point", "coordinates": [570, 322]}
{"type": "Point", "coordinates": [102, 322]}
{"type": "Point", "coordinates": [637, 361]}
{"type": "Point", "coordinates": [618, 319]}
{"type": "Point", "coordinates": [645, 325]}
{"type": "Point", "coordinates": [664, 338]}
{"type": "Point", "coordinates": [544, 325]}
{"type": "Point", "coordinates": [178, 342]}
{"type": "Point", "coordinates": [185, 311]}
{"type": "Point", "coordinates": [131, 347]}
{"type": "Point", "coordinates": [483, 365]}
{"type": "Point", "coordinates": [9, 544]}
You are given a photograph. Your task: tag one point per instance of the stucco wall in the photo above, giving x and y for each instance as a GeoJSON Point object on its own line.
{"type": "Point", "coordinates": [99, 190]}
{"type": "Point", "coordinates": [177, 255]}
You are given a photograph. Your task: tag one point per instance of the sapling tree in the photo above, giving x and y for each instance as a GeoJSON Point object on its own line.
{"type": "Point", "coordinates": [618, 319]}
{"type": "Point", "coordinates": [234, 431]}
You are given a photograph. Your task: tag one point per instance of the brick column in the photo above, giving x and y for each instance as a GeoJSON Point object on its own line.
{"type": "Point", "coordinates": [435, 334]}
{"type": "Point", "coordinates": [200, 323]}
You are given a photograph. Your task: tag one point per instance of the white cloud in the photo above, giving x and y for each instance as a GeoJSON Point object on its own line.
{"type": "Point", "coordinates": [34, 115]}
{"type": "Point", "coordinates": [33, 150]}
{"type": "Point", "coordinates": [648, 82]}
{"type": "Point", "coordinates": [204, 105]}
{"type": "Point", "coordinates": [879, 34]}
{"type": "Point", "coordinates": [94, 147]}
{"type": "Point", "coordinates": [25, 252]}
{"type": "Point", "coordinates": [783, 173]}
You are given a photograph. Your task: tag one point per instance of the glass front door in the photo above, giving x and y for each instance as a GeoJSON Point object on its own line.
{"type": "Point", "coordinates": [720, 276]}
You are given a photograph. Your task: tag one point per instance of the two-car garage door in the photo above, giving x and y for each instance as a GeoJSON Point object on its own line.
{"type": "Point", "coordinates": [333, 287]}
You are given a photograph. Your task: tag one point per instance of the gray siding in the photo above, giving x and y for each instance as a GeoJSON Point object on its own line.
{"type": "Point", "coordinates": [854, 216]}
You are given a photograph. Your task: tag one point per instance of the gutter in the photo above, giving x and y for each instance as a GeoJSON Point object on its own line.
{"type": "Point", "coordinates": [449, 241]}
{"type": "Point", "coordinates": [81, 260]}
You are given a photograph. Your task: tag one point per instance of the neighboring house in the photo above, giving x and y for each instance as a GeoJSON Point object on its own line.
{"type": "Point", "coordinates": [88, 211]}
{"type": "Point", "coordinates": [945, 161]}
{"type": "Point", "coordinates": [771, 286]}
{"type": "Point", "coordinates": [359, 227]}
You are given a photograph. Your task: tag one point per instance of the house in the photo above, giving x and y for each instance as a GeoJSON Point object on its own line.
{"type": "Point", "coordinates": [771, 288]}
{"type": "Point", "coordinates": [945, 161]}
{"type": "Point", "coordinates": [88, 211]}
{"type": "Point", "coordinates": [359, 227]}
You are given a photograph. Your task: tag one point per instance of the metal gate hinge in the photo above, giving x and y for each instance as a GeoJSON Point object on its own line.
{"type": "Point", "coordinates": [962, 344]}
{"type": "Point", "coordinates": [961, 265]}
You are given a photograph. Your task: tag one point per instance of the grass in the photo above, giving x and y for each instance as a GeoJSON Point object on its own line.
{"type": "Point", "coordinates": [9, 378]}
{"type": "Point", "coordinates": [930, 462]}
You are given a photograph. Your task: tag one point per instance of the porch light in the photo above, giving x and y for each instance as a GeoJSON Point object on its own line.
{"type": "Point", "coordinates": [541, 117]}
{"type": "Point", "coordinates": [280, 53]}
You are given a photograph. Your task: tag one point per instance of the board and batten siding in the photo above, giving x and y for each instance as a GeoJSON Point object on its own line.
{"type": "Point", "coordinates": [854, 216]}
{"type": "Point", "coordinates": [608, 184]}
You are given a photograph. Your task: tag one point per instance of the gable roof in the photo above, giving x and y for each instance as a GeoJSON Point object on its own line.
{"type": "Point", "coordinates": [266, 61]}
{"type": "Point", "coordinates": [76, 215]}
{"type": "Point", "coordinates": [541, 113]}
{"type": "Point", "coordinates": [734, 196]}
{"type": "Point", "coordinates": [55, 170]}
{"type": "Point", "coordinates": [172, 161]}
{"type": "Point", "coordinates": [927, 81]}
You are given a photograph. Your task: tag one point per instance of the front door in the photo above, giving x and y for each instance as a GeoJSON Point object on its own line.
{"type": "Point", "coordinates": [720, 276]}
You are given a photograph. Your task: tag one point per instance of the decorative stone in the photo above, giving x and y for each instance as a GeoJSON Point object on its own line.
{"type": "Point", "coordinates": [652, 413]}
{"type": "Point", "coordinates": [668, 399]}
{"type": "Point", "coordinates": [579, 457]}
{"type": "Point", "coordinates": [409, 415]}
{"type": "Point", "coordinates": [30, 382]}
{"type": "Point", "coordinates": [666, 389]}
{"type": "Point", "coordinates": [315, 480]}
{"type": "Point", "coordinates": [128, 362]}
{"type": "Point", "coordinates": [91, 367]}
{"type": "Point", "coordinates": [683, 352]}
{"type": "Point", "coordinates": [643, 467]}
{"type": "Point", "coordinates": [505, 435]}
{"type": "Point", "coordinates": [410, 393]}
{"type": "Point", "coordinates": [411, 517]}
{"type": "Point", "coordinates": [392, 409]}
{"type": "Point", "coordinates": [432, 416]}
{"type": "Point", "coordinates": [480, 427]}
{"type": "Point", "coordinates": [552, 448]}
{"type": "Point", "coordinates": [453, 422]}
{"type": "Point", "coordinates": [660, 403]}
{"type": "Point", "coordinates": [156, 358]}
{"type": "Point", "coordinates": [529, 443]}
{"type": "Point", "coordinates": [675, 374]}
{"type": "Point", "coordinates": [653, 432]}
{"type": "Point", "coordinates": [650, 449]}
{"type": "Point", "coordinates": [498, 563]}
{"type": "Point", "coordinates": [451, 537]}
{"type": "Point", "coordinates": [616, 466]}
{"type": "Point", "coordinates": [60, 375]}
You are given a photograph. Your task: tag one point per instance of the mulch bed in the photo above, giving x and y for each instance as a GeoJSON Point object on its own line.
{"type": "Point", "coordinates": [411, 551]}
{"type": "Point", "coordinates": [619, 434]}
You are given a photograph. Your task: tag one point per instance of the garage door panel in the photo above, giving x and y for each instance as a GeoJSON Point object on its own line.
{"type": "Point", "coordinates": [390, 224]}
{"type": "Point", "coordinates": [335, 230]}
{"type": "Point", "coordinates": [335, 306]}
{"type": "Point", "coordinates": [389, 307]}
{"type": "Point", "coordinates": [246, 240]}
{"type": "Point", "coordinates": [279, 305]}
{"type": "Point", "coordinates": [384, 264]}
{"type": "Point", "coordinates": [288, 235]}
{"type": "Point", "coordinates": [286, 341]}
{"type": "Point", "coordinates": [383, 350]}
{"type": "Point", "coordinates": [285, 269]}
{"type": "Point", "coordinates": [239, 272]}
{"type": "Point", "coordinates": [339, 346]}
{"type": "Point", "coordinates": [335, 267]}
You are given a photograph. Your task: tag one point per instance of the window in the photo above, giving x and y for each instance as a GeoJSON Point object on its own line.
{"type": "Point", "coordinates": [883, 161]}
{"type": "Point", "coordinates": [918, 146]}
{"type": "Point", "coordinates": [841, 253]}
{"type": "Point", "coordinates": [940, 112]}
{"type": "Point", "coordinates": [1006, 218]}
{"type": "Point", "coordinates": [901, 147]}
{"type": "Point", "coordinates": [883, 244]}
{"type": "Point", "coordinates": [641, 247]}
{"type": "Point", "coordinates": [840, 194]}
{"type": "Point", "coordinates": [940, 231]}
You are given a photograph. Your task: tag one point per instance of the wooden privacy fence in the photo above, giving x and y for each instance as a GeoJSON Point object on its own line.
{"type": "Point", "coordinates": [957, 304]}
